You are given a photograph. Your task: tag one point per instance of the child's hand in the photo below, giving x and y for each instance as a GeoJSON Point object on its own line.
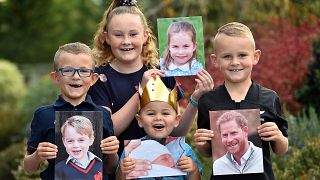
{"type": "Point", "coordinates": [109, 145]}
{"type": "Point", "coordinates": [148, 74]}
{"type": "Point", "coordinates": [204, 84]}
{"type": "Point", "coordinates": [269, 131]}
{"type": "Point", "coordinates": [134, 168]}
{"type": "Point", "coordinates": [131, 145]}
{"type": "Point", "coordinates": [186, 164]}
{"type": "Point", "coordinates": [201, 136]}
{"type": "Point", "coordinates": [46, 150]}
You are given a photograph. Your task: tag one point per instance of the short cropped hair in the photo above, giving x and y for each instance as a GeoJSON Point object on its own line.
{"type": "Point", "coordinates": [73, 48]}
{"type": "Point", "coordinates": [232, 116]}
{"type": "Point", "coordinates": [235, 29]}
{"type": "Point", "coordinates": [81, 124]}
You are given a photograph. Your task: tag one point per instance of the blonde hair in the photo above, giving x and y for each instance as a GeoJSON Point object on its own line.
{"type": "Point", "coordinates": [103, 51]}
{"type": "Point", "coordinates": [176, 27]}
{"type": "Point", "coordinates": [81, 124]}
{"type": "Point", "coordinates": [234, 29]}
{"type": "Point", "coordinates": [72, 48]}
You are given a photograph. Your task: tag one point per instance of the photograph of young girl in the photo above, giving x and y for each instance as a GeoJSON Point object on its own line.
{"type": "Point", "coordinates": [181, 45]}
{"type": "Point", "coordinates": [78, 135]}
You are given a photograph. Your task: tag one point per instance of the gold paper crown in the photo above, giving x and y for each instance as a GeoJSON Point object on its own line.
{"type": "Point", "coordinates": [156, 90]}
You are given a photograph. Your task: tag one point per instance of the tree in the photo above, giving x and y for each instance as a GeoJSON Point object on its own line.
{"type": "Point", "coordinates": [12, 89]}
{"type": "Point", "coordinates": [308, 95]}
{"type": "Point", "coordinates": [31, 31]}
{"type": "Point", "coordinates": [286, 53]}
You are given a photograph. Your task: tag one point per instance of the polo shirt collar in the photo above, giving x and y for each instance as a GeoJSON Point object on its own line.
{"type": "Point", "coordinates": [61, 102]}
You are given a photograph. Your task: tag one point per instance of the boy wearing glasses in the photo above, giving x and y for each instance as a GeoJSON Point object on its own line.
{"type": "Point", "coordinates": [74, 74]}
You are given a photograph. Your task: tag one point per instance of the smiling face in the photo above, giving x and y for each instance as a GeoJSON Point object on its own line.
{"type": "Point", "coordinates": [181, 47]}
{"type": "Point", "coordinates": [158, 119]}
{"type": "Point", "coordinates": [234, 138]}
{"type": "Point", "coordinates": [76, 144]}
{"type": "Point", "coordinates": [74, 89]}
{"type": "Point", "coordinates": [126, 35]}
{"type": "Point", "coordinates": [235, 58]}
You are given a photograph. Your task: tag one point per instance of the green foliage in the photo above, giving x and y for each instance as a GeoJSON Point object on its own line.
{"type": "Point", "coordinates": [12, 89]}
{"type": "Point", "coordinates": [19, 173]}
{"type": "Point", "coordinates": [10, 160]}
{"type": "Point", "coordinates": [302, 159]}
{"type": "Point", "coordinates": [42, 93]}
{"type": "Point", "coordinates": [303, 163]}
{"type": "Point", "coordinates": [305, 125]}
{"type": "Point", "coordinates": [308, 95]}
{"type": "Point", "coordinates": [37, 28]}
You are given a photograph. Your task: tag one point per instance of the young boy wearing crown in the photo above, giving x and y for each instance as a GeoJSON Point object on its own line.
{"type": "Point", "coordinates": [158, 115]}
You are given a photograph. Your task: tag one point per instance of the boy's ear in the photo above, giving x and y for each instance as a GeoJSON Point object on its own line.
{"type": "Point", "coordinates": [95, 77]}
{"type": "Point", "coordinates": [54, 77]}
{"type": "Point", "coordinates": [91, 140]}
{"type": "Point", "coordinates": [138, 117]}
{"type": "Point", "coordinates": [256, 56]}
{"type": "Point", "coordinates": [214, 60]}
{"type": "Point", "coordinates": [178, 118]}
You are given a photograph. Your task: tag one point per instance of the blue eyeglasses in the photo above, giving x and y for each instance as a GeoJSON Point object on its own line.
{"type": "Point", "coordinates": [69, 72]}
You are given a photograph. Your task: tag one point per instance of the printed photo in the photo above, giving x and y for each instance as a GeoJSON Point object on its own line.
{"type": "Point", "coordinates": [163, 158]}
{"type": "Point", "coordinates": [78, 136]}
{"type": "Point", "coordinates": [236, 146]}
{"type": "Point", "coordinates": [181, 45]}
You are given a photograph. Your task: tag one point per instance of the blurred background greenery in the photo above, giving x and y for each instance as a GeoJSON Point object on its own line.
{"type": "Point", "coordinates": [287, 32]}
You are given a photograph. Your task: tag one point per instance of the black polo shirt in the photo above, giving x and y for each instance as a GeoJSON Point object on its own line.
{"type": "Point", "coordinates": [43, 125]}
{"type": "Point", "coordinates": [257, 97]}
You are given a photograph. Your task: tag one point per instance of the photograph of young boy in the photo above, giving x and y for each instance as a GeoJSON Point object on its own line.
{"type": "Point", "coordinates": [183, 51]}
{"type": "Point", "coordinates": [79, 155]}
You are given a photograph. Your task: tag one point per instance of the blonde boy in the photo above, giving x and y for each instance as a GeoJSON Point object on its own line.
{"type": "Point", "coordinates": [235, 55]}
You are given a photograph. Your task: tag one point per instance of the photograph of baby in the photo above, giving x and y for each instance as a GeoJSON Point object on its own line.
{"type": "Point", "coordinates": [181, 45]}
{"type": "Point", "coordinates": [78, 135]}
{"type": "Point", "coordinates": [159, 158]}
{"type": "Point", "coordinates": [236, 146]}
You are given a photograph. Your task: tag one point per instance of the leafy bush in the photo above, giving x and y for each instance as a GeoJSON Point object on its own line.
{"type": "Point", "coordinates": [308, 95]}
{"type": "Point", "coordinates": [10, 159]}
{"type": "Point", "coordinates": [302, 158]}
{"type": "Point", "coordinates": [12, 89]}
{"type": "Point", "coordinates": [41, 93]}
{"type": "Point", "coordinates": [303, 163]}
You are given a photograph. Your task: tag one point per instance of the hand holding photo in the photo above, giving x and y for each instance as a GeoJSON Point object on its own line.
{"type": "Point", "coordinates": [181, 45]}
{"type": "Point", "coordinates": [236, 148]}
{"type": "Point", "coordinates": [77, 157]}
{"type": "Point", "coordinates": [152, 159]}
